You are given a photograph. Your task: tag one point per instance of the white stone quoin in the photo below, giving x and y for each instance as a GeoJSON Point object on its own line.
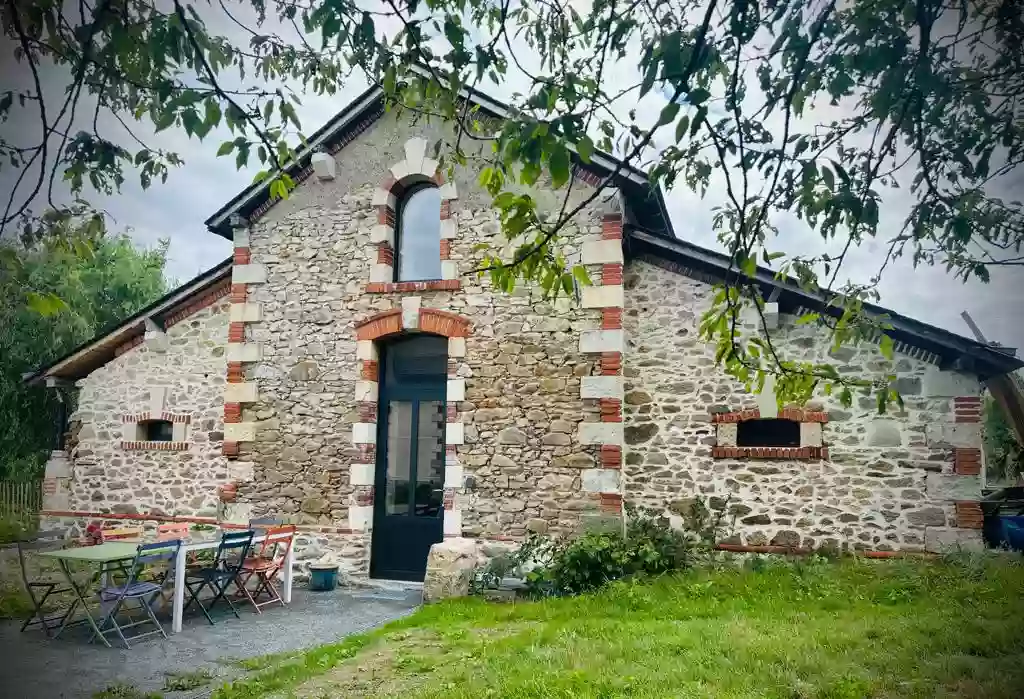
{"type": "Point", "coordinates": [610, 296]}
{"type": "Point", "coordinates": [596, 341]}
{"type": "Point", "coordinates": [601, 387]}
{"type": "Point", "coordinates": [600, 433]}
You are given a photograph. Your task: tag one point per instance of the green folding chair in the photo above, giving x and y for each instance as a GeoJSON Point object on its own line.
{"type": "Point", "coordinates": [41, 587]}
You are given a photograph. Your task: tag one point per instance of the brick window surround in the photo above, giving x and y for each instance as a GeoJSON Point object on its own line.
{"type": "Point", "coordinates": [133, 438]}
{"type": "Point", "coordinates": [811, 448]}
{"type": "Point", "coordinates": [403, 178]}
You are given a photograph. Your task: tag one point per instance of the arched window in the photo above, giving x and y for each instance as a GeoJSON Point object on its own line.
{"type": "Point", "coordinates": [418, 240]}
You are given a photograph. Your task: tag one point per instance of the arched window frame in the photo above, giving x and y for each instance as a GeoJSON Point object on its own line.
{"type": "Point", "coordinates": [404, 177]}
{"type": "Point", "coordinates": [400, 233]}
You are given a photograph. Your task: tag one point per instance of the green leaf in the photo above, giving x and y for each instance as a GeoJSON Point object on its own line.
{"type": "Point", "coordinates": [827, 176]}
{"type": "Point", "coordinates": [46, 305]}
{"type": "Point", "coordinates": [886, 346]}
{"type": "Point", "coordinates": [580, 273]}
{"type": "Point", "coordinates": [682, 126]}
{"type": "Point", "coordinates": [668, 113]}
{"type": "Point", "coordinates": [585, 148]}
{"type": "Point", "coordinates": [558, 163]}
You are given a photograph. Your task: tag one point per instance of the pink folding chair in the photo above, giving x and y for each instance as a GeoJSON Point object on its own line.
{"type": "Point", "coordinates": [266, 566]}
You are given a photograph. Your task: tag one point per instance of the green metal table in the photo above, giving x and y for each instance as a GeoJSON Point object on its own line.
{"type": "Point", "coordinates": [103, 555]}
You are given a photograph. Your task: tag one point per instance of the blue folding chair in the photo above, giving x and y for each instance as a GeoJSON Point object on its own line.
{"type": "Point", "coordinates": [231, 554]}
{"type": "Point", "coordinates": [136, 594]}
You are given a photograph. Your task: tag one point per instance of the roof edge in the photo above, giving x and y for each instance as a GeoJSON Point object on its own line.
{"type": "Point", "coordinates": [986, 360]}
{"type": "Point", "coordinates": [107, 340]}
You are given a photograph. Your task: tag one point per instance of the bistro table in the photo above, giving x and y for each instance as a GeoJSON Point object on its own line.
{"type": "Point", "coordinates": [105, 555]}
{"type": "Point", "coordinates": [205, 541]}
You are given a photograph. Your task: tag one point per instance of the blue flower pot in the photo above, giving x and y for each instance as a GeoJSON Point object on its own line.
{"type": "Point", "coordinates": [323, 579]}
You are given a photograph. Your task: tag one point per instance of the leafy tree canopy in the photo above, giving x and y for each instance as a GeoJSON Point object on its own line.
{"type": "Point", "coordinates": [97, 289]}
{"type": "Point", "coordinates": [814, 109]}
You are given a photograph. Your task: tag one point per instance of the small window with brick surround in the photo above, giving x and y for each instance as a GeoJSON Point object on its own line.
{"type": "Point", "coordinates": [155, 431]}
{"type": "Point", "coordinates": [768, 432]}
{"type": "Point", "coordinates": [418, 235]}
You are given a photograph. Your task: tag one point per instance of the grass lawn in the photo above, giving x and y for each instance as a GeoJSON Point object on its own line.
{"type": "Point", "coordinates": [851, 629]}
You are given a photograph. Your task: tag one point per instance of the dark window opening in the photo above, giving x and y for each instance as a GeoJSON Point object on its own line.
{"type": "Point", "coordinates": [768, 433]}
{"type": "Point", "coordinates": [156, 431]}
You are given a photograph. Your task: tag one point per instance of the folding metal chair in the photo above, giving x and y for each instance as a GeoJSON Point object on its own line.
{"type": "Point", "coordinates": [171, 531]}
{"type": "Point", "coordinates": [40, 588]}
{"type": "Point", "coordinates": [265, 566]}
{"type": "Point", "coordinates": [142, 592]}
{"type": "Point", "coordinates": [231, 554]}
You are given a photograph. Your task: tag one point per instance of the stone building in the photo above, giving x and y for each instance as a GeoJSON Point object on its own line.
{"type": "Point", "coordinates": [347, 369]}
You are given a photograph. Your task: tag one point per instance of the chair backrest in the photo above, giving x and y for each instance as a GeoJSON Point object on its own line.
{"type": "Point", "coordinates": [118, 532]}
{"type": "Point", "coordinates": [172, 530]}
{"type": "Point", "coordinates": [277, 541]}
{"type": "Point", "coordinates": [40, 542]}
{"type": "Point", "coordinates": [147, 555]}
{"type": "Point", "coordinates": [234, 548]}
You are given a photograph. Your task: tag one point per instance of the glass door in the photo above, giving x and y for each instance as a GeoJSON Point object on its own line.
{"type": "Point", "coordinates": [409, 483]}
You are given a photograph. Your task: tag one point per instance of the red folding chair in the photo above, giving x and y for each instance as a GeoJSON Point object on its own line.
{"type": "Point", "coordinates": [265, 567]}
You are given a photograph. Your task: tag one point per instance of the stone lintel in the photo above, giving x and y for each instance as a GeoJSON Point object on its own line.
{"type": "Point", "coordinates": [601, 387]}
{"type": "Point", "coordinates": [249, 274]}
{"type": "Point", "coordinates": [597, 252]}
{"type": "Point", "coordinates": [611, 296]}
{"type": "Point", "coordinates": [597, 341]}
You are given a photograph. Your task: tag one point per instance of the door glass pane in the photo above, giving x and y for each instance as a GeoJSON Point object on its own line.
{"type": "Point", "coordinates": [400, 415]}
{"type": "Point", "coordinates": [430, 459]}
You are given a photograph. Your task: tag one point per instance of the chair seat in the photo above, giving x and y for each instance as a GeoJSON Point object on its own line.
{"type": "Point", "coordinates": [136, 589]}
{"type": "Point", "coordinates": [259, 564]}
{"type": "Point", "coordinates": [208, 573]}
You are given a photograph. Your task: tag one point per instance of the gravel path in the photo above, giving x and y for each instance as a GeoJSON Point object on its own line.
{"type": "Point", "coordinates": [31, 667]}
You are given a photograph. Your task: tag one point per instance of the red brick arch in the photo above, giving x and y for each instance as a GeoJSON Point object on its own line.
{"type": "Point", "coordinates": [431, 320]}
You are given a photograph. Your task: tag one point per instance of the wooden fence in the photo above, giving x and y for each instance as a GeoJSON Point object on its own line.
{"type": "Point", "coordinates": [20, 498]}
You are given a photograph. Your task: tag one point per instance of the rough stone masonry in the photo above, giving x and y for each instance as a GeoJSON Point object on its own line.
{"type": "Point", "coordinates": [558, 411]}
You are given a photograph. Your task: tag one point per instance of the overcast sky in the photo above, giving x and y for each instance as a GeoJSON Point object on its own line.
{"type": "Point", "coordinates": [176, 210]}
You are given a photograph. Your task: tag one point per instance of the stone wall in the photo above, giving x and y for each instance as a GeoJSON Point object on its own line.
{"type": "Point", "coordinates": [517, 459]}
{"type": "Point", "coordinates": [886, 482]}
{"type": "Point", "coordinates": [177, 376]}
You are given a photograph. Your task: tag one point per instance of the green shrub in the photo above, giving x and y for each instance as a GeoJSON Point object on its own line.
{"type": "Point", "coordinates": [14, 527]}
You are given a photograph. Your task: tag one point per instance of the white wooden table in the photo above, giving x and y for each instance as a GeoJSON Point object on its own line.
{"type": "Point", "coordinates": [205, 544]}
